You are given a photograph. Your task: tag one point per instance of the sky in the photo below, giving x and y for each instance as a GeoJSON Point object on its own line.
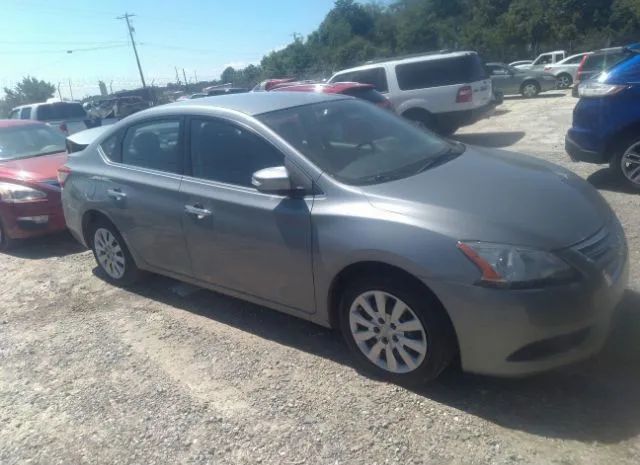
{"type": "Point", "coordinates": [201, 36]}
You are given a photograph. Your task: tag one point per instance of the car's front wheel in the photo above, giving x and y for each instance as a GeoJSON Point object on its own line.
{"type": "Point", "coordinates": [112, 255]}
{"type": "Point", "coordinates": [396, 331]}
{"type": "Point", "coordinates": [626, 162]}
{"type": "Point", "coordinates": [564, 81]}
{"type": "Point", "coordinates": [530, 89]}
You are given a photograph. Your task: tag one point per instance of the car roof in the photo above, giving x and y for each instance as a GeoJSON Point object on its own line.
{"type": "Point", "coordinates": [8, 123]}
{"type": "Point", "coordinates": [255, 103]}
{"type": "Point", "coordinates": [412, 59]}
{"type": "Point", "coordinates": [333, 88]}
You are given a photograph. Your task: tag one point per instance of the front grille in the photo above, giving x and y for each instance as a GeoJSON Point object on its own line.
{"type": "Point", "coordinates": [606, 250]}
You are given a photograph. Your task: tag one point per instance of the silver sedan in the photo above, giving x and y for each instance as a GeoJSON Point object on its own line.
{"type": "Point", "coordinates": [327, 208]}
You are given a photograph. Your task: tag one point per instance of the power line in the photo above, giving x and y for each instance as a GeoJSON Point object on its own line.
{"type": "Point", "coordinates": [126, 17]}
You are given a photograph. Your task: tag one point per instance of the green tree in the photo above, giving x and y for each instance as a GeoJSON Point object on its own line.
{"type": "Point", "coordinates": [29, 90]}
{"type": "Point", "coordinates": [228, 75]}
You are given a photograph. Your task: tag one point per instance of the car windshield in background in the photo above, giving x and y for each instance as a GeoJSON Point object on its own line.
{"type": "Point", "coordinates": [356, 142]}
{"type": "Point", "coordinates": [29, 141]}
{"type": "Point", "coordinates": [59, 111]}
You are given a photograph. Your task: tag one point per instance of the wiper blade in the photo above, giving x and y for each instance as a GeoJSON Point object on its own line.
{"type": "Point", "coordinates": [456, 148]}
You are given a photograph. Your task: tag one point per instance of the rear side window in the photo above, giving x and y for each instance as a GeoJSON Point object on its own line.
{"type": "Point", "coordinates": [440, 72]}
{"type": "Point", "coordinates": [364, 93]}
{"type": "Point", "coordinates": [110, 146]}
{"type": "Point", "coordinates": [155, 145]}
{"type": "Point", "coordinates": [25, 113]}
{"type": "Point", "coordinates": [61, 110]}
{"type": "Point", "coordinates": [374, 76]}
{"type": "Point", "coordinates": [594, 62]}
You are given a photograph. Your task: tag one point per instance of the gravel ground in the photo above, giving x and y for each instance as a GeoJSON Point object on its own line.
{"type": "Point", "coordinates": [165, 373]}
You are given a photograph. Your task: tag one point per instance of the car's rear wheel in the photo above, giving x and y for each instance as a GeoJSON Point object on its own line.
{"type": "Point", "coordinates": [530, 89]}
{"type": "Point", "coordinates": [564, 81]}
{"type": "Point", "coordinates": [626, 162]}
{"type": "Point", "coordinates": [6, 243]}
{"type": "Point", "coordinates": [396, 331]}
{"type": "Point", "coordinates": [112, 255]}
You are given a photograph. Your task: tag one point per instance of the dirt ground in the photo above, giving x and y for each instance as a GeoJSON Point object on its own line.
{"type": "Point", "coordinates": [165, 373]}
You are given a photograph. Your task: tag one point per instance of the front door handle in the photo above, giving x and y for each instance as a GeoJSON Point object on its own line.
{"type": "Point", "coordinates": [197, 210]}
{"type": "Point", "coordinates": [116, 194]}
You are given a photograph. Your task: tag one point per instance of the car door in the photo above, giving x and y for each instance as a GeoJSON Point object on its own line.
{"type": "Point", "coordinates": [139, 189]}
{"type": "Point", "coordinates": [238, 238]}
{"type": "Point", "coordinates": [499, 77]}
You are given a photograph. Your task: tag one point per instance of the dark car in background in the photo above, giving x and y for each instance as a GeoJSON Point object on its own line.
{"type": "Point", "coordinates": [606, 121]}
{"type": "Point", "coordinates": [600, 60]}
{"type": "Point", "coordinates": [526, 82]}
{"type": "Point", "coordinates": [30, 155]}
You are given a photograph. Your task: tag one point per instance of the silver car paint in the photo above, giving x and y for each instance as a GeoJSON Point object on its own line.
{"type": "Point", "coordinates": [285, 253]}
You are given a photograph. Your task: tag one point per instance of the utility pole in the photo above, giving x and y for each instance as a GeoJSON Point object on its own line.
{"type": "Point", "coordinates": [59, 93]}
{"type": "Point", "coordinates": [195, 76]}
{"type": "Point", "coordinates": [70, 91]}
{"type": "Point", "coordinates": [185, 77]}
{"type": "Point", "coordinates": [111, 87]}
{"type": "Point", "coordinates": [177, 76]}
{"type": "Point", "coordinates": [126, 17]}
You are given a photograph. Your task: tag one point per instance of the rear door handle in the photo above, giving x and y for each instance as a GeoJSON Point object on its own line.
{"type": "Point", "coordinates": [116, 194]}
{"type": "Point", "coordinates": [198, 211]}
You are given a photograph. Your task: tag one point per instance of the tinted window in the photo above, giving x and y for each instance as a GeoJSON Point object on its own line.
{"type": "Point", "coordinates": [374, 76]}
{"type": "Point", "coordinates": [111, 147]}
{"type": "Point", "coordinates": [365, 93]}
{"type": "Point", "coordinates": [61, 110]}
{"type": "Point", "coordinates": [25, 113]}
{"type": "Point", "coordinates": [440, 72]}
{"type": "Point", "coordinates": [29, 141]}
{"type": "Point", "coordinates": [229, 154]}
{"type": "Point", "coordinates": [356, 142]}
{"type": "Point", "coordinates": [154, 145]}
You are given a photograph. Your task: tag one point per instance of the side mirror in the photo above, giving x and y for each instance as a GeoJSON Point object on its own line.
{"type": "Point", "coordinates": [272, 180]}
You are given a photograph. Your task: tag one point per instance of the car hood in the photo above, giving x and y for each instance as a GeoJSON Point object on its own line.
{"type": "Point", "coordinates": [497, 196]}
{"type": "Point", "coordinates": [34, 169]}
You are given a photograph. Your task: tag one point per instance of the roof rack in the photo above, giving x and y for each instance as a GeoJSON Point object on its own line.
{"type": "Point", "coordinates": [411, 55]}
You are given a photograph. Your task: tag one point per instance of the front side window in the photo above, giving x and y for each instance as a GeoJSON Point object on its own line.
{"type": "Point", "coordinates": [357, 143]}
{"type": "Point", "coordinates": [229, 154]}
{"type": "Point", "coordinates": [29, 141]}
{"type": "Point", "coordinates": [374, 76]}
{"type": "Point", "coordinates": [543, 60]}
{"type": "Point", "coordinates": [155, 145]}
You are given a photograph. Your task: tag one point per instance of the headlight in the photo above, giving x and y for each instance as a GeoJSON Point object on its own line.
{"type": "Point", "coordinates": [516, 267]}
{"type": "Point", "coordinates": [598, 89]}
{"type": "Point", "coordinates": [17, 193]}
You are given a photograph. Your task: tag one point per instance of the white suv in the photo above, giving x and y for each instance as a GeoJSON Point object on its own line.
{"type": "Point", "coordinates": [69, 117]}
{"type": "Point", "coordinates": [442, 91]}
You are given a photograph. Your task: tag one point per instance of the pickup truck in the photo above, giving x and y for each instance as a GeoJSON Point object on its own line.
{"type": "Point", "coordinates": [69, 117]}
{"type": "Point", "coordinates": [545, 59]}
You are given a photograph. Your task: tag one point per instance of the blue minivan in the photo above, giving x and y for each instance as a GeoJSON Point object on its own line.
{"type": "Point", "coordinates": [606, 120]}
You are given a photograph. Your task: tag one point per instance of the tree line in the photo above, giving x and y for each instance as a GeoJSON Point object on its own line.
{"type": "Point", "coordinates": [500, 30]}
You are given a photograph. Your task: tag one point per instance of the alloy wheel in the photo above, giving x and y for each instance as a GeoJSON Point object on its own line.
{"type": "Point", "coordinates": [387, 331]}
{"type": "Point", "coordinates": [564, 81]}
{"type": "Point", "coordinates": [530, 90]}
{"type": "Point", "coordinates": [109, 253]}
{"type": "Point", "coordinates": [630, 163]}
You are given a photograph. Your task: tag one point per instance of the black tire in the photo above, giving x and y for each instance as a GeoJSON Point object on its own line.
{"type": "Point", "coordinates": [6, 243]}
{"type": "Point", "coordinates": [131, 273]}
{"type": "Point", "coordinates": [447, 129]}
{"type": "Point", "coordinates": [440, 336]}
{"type": "Point", "coordinates": [533, 85]}
{"type": "Point", "coordinates": [564, 80]}
{"type": "Point", "coordinates": [616, 162]}
{"type": "Point", "coordinates": [421, 118]}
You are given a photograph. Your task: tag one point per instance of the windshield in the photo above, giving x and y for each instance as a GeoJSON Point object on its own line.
{"type": "Point", "coordinates": [29, 141]}
{"type": "Point", "coordinates": [355, 142]}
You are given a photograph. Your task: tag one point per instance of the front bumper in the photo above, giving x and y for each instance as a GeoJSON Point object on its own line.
{"type": "Point", "coordinates": [577, 153]}
{"type": "Point", "coordinates": [522, 332]}
{"type": "Point", "coordinates": [32, 219]}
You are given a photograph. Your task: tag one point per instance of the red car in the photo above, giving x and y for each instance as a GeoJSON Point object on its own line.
{"type": "Point", "coordinates": [354, 89]}
{"type": "Point", "coordinates": [30, 155]}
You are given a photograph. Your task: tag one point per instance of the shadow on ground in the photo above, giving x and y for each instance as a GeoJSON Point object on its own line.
{"type": "Point", "coordinates": [605, 180]}
{"type": "Point", "coordinates": [55, 245]}
{"type": "Point", "coordinates": [543, 95]}
{"type": "Point", "coordinates": [490, 139]}
{"type": "Point", "coordinates": [598, 400]}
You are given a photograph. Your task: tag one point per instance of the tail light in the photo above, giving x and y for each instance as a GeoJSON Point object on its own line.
{"type": "Point", "coordinates": [465, 95]}
{"type": "Point", "coordinates": [579, 72]}
{"type": "Point", "coordinates": [63, 127]}
{"type": "Point", "coordinates": [63, 174]}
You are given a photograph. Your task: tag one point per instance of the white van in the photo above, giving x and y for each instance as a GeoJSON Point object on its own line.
{"type": "Point", "coordinates": [442, 91]}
